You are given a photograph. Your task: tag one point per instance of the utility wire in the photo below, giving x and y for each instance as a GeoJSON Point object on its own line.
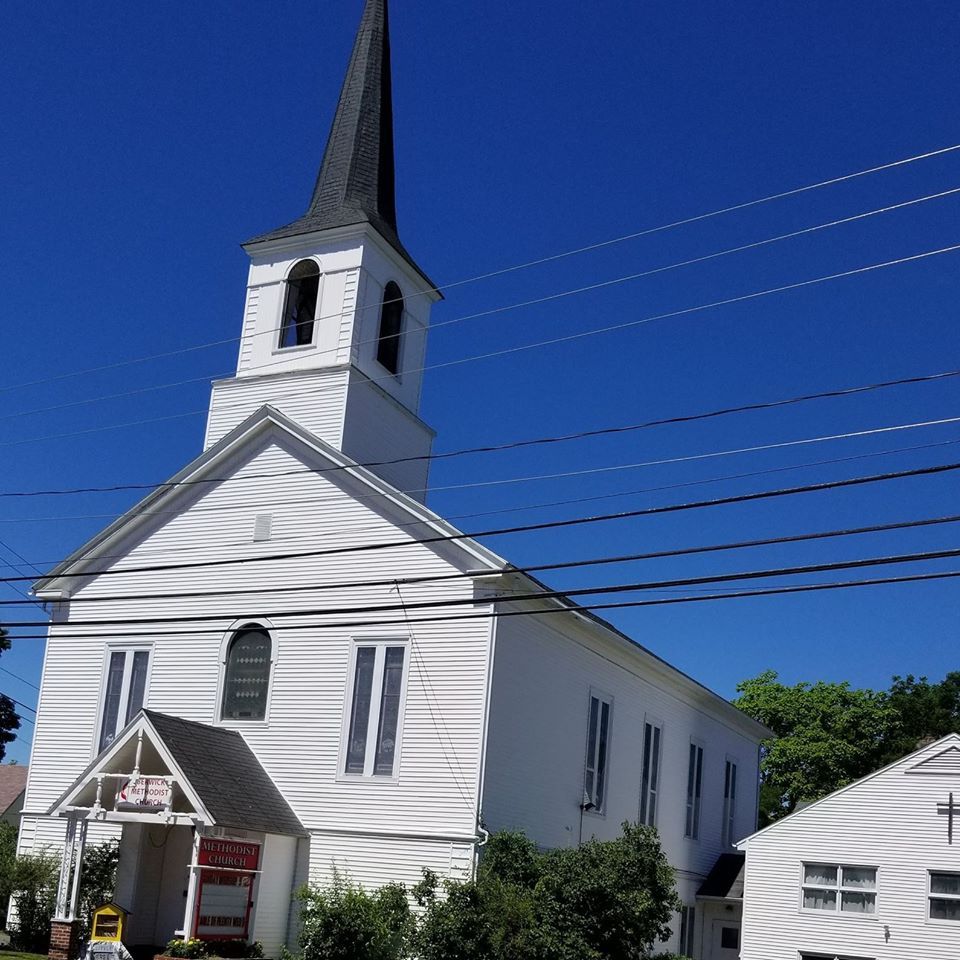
{"type": "Point", "coordinates": [17, 676]}
{"type": "Point", "coordinates": [530, 263]}
{"type": "Point", "coordinates": [273, 331]}
{"type": "Point", "coordinates": [18, 703]}
{"type": "Point", "coordinates": [686, 311]}
{"type": "Point", "coordinates": [518, 444]}
{"type": "Point", "coordinates": [520, 528]}
{"type": "Point", "coordinates": [489, 614]}
{"type": "Point", "coordinates": [534, 568]}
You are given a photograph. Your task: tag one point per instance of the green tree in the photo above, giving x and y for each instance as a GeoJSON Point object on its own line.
{"type": "Point", "coordinates": [827, 735]}
{"type": "Point", "coordinates": [9, 721]}
{"type": "Point", "coordinates": [8, 857]}
{"type": "Point", "coordinates": [604, 900]}
{"type": "Point", "coordinates": [925, 711]}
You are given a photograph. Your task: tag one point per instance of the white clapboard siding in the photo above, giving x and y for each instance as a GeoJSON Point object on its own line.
{"type": "Point", "coordinates": [299, 745]}
{"type": "Point", "coordinates": [374, 861]}
{"type": "Point", "coordinates": [274, 891]}
{"type": "Point", "coordinates": [542, 679]}
{"type": "Point", "coordinates": [316, 399]}
{"type": "Point", "coordinates": [889, 821]}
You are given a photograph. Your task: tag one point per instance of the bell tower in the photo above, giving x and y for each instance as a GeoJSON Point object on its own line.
{"type": "Point", "coordinates": [334, 328]}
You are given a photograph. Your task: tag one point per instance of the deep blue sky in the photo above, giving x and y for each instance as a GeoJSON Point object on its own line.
{"type": "Point", "coordinates": [142, 143]}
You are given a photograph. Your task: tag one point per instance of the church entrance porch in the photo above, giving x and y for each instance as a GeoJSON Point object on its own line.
{"type": "Point", "coordinates": [201, 825]}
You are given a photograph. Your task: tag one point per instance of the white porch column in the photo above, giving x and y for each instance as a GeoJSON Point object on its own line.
{"type": "Point", "coordinates": [190, 908]}
{"type": "Point", "coordinates": [80, 843]}
{"type": "Point", "coordinates": [63, 884]}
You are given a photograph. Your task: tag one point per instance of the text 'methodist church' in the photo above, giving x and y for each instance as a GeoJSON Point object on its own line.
{"type": "Point", "coordinates": [281, 664]}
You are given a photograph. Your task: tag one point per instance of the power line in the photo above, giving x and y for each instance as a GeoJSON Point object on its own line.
{"type": "Point", "coordinates": [517, 444]}
{"type": "Point", "coordinates": [535, 568]}
{"type": "Point", "coordinates": [521, 528]}
{"type": "Point", "coordinates": [17, 676]}
{"type": "Point", "coordinates": [546, 595]}
{"type": "Point", "coordinates": [19, 704]}
{"type": "Point", "coordinates": [472, 316]}
{"type": "Point", "coordinates": [530, 263]}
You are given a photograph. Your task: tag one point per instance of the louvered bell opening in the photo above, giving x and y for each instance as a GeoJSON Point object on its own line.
{"type": "Point", "coordinates": [262, 527]}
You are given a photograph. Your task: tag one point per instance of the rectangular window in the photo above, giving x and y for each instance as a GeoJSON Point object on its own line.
{"type": "Point", "coordinates": [598, 743]}
{"type": "Point", "coordinates": [688, 919]}
{"type": "Point", "coordinates": [650, 777]}
{"type": "Point", "coordinates": [831, 956]}
{"type": "Point", "coordinates": [694, 789]}
{"type": "Point", "coordinates": [125, 690]}
{"type": "Point", "coordinates": [944, 896]}
{"type": "Point", "coordinates": [729, 804]}
{"type": "Point", "coordinates": [376, 693]}
{"type": "Point", "coordinates": [836, 887]}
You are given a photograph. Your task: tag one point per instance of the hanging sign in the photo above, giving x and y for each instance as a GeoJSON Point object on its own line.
{"type": "Point", "coordinates": [144, 793]}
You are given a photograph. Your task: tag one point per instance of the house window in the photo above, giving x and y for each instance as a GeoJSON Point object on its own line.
{"type": "Point", "coordinates": [246, 680]}
{"type": "Point", "coordinates": [836, 887]}
{"type": "Point", "coordinates": [375, 701]}
{"type": "Point", "coordinates": [598, 745]}
{"type": "Point", "coordinates": [944, 896]}
{"type": "Point", "coordinates": [126, 685]}
{"type": "Point", "coordinates": [831, 956]}
{"type": "Point", "coordinates": [694, 789]}
{"type": "Point", "coordinates": [300, 305]}
{"type": "Point", "coordinates": [688, 919]}
{"type": "Point", "coordinates": [729, 804]}
{"type": "Point", "coordinates": [650, 776]}
{"type": "Point", "coordinates": [391, 328]}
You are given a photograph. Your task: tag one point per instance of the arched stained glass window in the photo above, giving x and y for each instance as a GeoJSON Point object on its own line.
{"type": "Point", "coordinates": [246, 681]}
{"type": "Point", "coordinates": [300, 305]}
{"type": "Point", "coordinates": [391, 328]}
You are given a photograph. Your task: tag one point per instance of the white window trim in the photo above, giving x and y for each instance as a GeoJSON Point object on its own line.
{"type": "Point", "coordinates": [606, 698]}
{"type": "Point", "coordinates": [277, 331]}
{"type": "Point", "coordinates": [949, 924]}
{"type": "Point", "coordinates": [837, 912]}
{"type": "Point", "coordinates": [111, 647]}
{"type": "Point", "coordinates": [687, 910]}
{"type": "Point", "coordinates": [657, 723]}
{"type": "Point", "coordinates": [402, 337]}
{"type": "Point", "coordinates": [381, 643]}
{"type": "Point", "coordinates": [230, 724]}
{"type": "Point", "coordinates": [729, 825]}
{"type": "Point", "coordinates": [697, 800]}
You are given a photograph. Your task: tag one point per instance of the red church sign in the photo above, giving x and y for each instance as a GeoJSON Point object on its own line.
{"type": "Point", "coordinates": [228, 854]}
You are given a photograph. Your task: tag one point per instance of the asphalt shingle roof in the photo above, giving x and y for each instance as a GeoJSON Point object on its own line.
{"type": "Point", "coordinates": [13, 781]}
{"type": "Point", "coordinates": [226, 775]}
{"type": "Point", "coordinates": [726, 878]}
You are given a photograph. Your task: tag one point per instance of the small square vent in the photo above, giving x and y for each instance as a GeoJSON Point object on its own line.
{"type": "Point", "coordinates": [262, 527]}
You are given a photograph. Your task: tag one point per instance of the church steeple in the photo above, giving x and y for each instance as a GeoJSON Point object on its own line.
{"type": "Point", "coordinates": [357, 180]}
{"type": "Point", "coordinates": [336, 316]}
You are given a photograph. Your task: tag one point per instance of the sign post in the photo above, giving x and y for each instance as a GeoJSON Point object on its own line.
{"type": "Point", "coordinates": [225, 889]}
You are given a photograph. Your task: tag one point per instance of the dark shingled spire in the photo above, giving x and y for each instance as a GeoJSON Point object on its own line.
{"type": "Point", "coordinates": [356, 183]}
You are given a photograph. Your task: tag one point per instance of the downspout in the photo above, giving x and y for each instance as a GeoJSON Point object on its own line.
{"type": "Point", "coordinates": [483, 835]}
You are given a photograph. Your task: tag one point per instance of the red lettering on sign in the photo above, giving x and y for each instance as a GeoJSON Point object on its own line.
{"type": "Point", "coordinates": [228, 854]}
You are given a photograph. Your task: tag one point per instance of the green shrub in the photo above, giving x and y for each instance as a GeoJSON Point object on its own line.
{"type": "Point", "coordinates": [345, 922]}
{"type": "Point", "coordinates": [189, 949]}
{"type": "Point", "coordinates": [34, 885]}
{"type": "Point", "coordinates": [98, 877]}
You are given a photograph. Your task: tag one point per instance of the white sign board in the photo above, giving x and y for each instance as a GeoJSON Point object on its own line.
{"type": "Point", "coordinates": [144, 793]}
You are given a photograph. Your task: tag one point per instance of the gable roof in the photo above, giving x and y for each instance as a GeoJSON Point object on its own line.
{"type": "Point", "coordinates": [205, 467]}
{"type": "Point", "coordinates": [226, 775]}
{"type": "Point", "coordinates": [13, 781]}
{"type": "Point", "coordinates": [945, 763]}
{"type": "Point", "coordinates": [930, 748]}
{"type": "Point", "coordinates": [220, 777]}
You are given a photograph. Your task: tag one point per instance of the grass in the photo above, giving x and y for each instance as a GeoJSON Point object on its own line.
{"type": "Point", "coordinates": [12, 955]}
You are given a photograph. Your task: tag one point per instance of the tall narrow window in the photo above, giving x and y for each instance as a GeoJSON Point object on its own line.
{"type": "Point", "coordinates": [126, 686]}
{"type": "Point", "coordinates": [246, 680]}
{"type": "Point", "coordinates": [688, 920]}
{"type": "Point", "coordinates": [650, 777]}
{"type": "Point", "coordinates": [391, 328]}
{"type": "Point", "coordinates": [730, 804]}
{"type": "Point", "coordinates": [374, 718]}
{"type": "Point", "coordinates": [300, 305]}
{"type": "Point", "coordinates": [694, 788]}
{"type": "Point", "coordinates": [598, 743]}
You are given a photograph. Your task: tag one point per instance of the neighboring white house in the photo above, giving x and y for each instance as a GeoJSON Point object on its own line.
{"type": "Point", "coordinates": [281, 663]}
{"type": "Point", "coordinates": [871, 872]}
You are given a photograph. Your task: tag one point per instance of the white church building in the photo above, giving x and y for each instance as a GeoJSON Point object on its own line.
{"type": "Point", "coordinates": [282, 663]}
